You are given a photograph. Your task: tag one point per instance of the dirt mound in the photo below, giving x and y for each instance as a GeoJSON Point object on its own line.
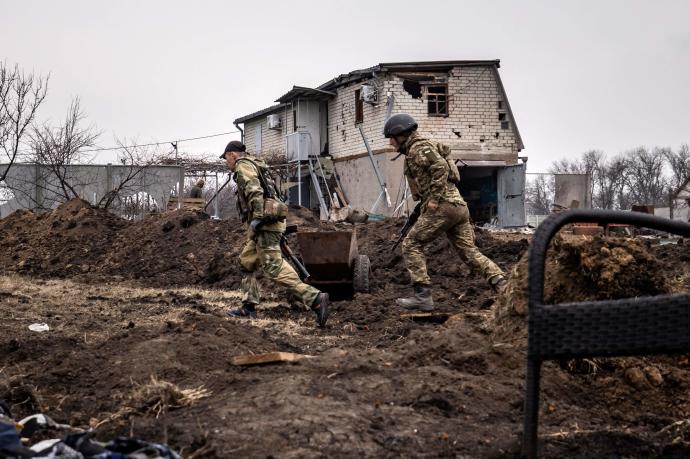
{"type": "Point", "coordinates": [67, 241]}
{"type": "Point", "coordinates": [585, 269]}
{"type": "Point", "coordinates": [80, 241]}
{"type": "Point", "coordinates": [183, 247]}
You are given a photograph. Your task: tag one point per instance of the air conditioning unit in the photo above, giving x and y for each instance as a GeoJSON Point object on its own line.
{"type": "Point", "coordinates": [369, 94]}
{"type": "Point", "coordinates": [273, 121]}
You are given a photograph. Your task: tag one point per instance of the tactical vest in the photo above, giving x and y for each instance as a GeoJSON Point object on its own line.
{"type": "Point", "coordinates": [274, 207]}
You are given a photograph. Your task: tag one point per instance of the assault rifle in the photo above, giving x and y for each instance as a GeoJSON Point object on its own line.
{"type": "Point", "coordinates": [411, 220]}
{"type": "Point", "coordinates": [217, 192]}
{"type": "Point", "coordinates": [287, 253]}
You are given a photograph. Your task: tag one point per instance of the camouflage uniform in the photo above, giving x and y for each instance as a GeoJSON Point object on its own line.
{"type": "Point", "coordinates": [196, 192]}
{"type": "Point", "coordinates": [427, 174]}
{"type": "Point", "coordinates": [263, 249]}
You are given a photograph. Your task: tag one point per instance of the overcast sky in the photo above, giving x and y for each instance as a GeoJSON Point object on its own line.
{"type": "Point", "coordinates": [579, 75]}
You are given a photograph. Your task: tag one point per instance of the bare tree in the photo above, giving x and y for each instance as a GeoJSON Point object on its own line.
{"type": "Point", "coordinates": [136, 160]}
{"type": "Point", "coordinates": [611, 184]}
{"type": "Point", "coordinates": [645, 179]}
{"type": "Point", "coordinates": [20, 97]}
{"type": "Point", "coordinates": [539, 194]}
{"type": "Point", "coordinates": [56, 149]}
{"type": "Point", "coordinates": [679, 163]}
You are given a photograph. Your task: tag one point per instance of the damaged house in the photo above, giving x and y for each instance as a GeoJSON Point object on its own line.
{"type": "Point", "coordinates": [337, 127]}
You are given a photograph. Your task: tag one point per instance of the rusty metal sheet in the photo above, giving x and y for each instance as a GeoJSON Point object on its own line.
{"type": "Point", "coordinates": [328, 255]}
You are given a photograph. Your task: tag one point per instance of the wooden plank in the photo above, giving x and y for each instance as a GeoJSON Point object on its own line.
{"type": "Point", "coordinates": [271, 357]}
{"type": "Point", "coordinates": [187, 203]}
{"type": "Point", "coordinates": [341, 195]}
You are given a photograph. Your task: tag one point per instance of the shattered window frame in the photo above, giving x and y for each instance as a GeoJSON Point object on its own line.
{"type": "Point", "coordinates": [437, 99]}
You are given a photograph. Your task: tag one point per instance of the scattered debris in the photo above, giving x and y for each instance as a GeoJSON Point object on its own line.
{"type": "Point", "coordinates": [39, 327]}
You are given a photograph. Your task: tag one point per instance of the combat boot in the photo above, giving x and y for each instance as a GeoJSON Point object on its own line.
{"type": "Point", "coordinates": [498, 283]}
{"type": "Point", "coordinates": [320, 307]}
{"type": "Point", "coordinates": [421, 300]}
{"type": "Point", "coordinates": [246, 311]}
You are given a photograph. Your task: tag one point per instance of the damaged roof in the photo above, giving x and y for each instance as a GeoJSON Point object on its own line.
{"type": "Point", "coordinates": [429, 66]}
{"type": "Point", "coordinates": [304, 93]}
{"type": "Point", "coordinates": [327, 89]}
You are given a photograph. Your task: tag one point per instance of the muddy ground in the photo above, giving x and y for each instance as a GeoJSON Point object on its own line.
{"type": "Point", "coordinates": [139, 345]}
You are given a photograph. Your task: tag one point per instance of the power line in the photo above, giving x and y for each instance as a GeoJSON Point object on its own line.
{"type": "Point", "coordinates": [161, 143]}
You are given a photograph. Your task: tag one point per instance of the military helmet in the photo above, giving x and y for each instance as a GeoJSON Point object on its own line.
{"type": "Point", "coordinates": [399, 124]}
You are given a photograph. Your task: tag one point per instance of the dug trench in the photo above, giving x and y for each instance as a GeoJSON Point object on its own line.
{"type": "Point", "coordinates": [139, 345]}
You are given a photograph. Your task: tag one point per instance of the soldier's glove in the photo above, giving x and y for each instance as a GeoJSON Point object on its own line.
{"type": "Point", "coordinates": [255, 226]}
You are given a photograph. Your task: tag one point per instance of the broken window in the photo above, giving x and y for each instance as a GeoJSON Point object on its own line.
{"type": "Point", "coordinates": [501, 117]}
{"type": "Point", "coordinates": [505, 124]}
{"type": "Point", "coordinates": [413, 88]}
{"type": "Point", "coordinates": [500, 105]}
{"type": "Point", "coordinates": [359, 107]}
{"type": "Point", "coordinates": [437, 98]}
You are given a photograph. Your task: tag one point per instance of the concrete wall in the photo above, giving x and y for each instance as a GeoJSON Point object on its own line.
{"type": "Point", "coordinates": [34, 187]}
{"type": "Point", "coordinates": [573, 187]}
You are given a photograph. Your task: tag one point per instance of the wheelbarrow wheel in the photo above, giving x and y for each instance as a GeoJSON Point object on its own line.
{"type": "Point", "coordinates": [360, 274]}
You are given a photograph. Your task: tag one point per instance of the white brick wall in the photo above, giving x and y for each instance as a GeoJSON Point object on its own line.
{"type": "Point", "coordinates": [473, 111]}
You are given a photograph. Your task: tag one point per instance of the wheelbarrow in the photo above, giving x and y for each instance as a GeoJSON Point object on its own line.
{"type": "Point", "coordinates": [333, 261]}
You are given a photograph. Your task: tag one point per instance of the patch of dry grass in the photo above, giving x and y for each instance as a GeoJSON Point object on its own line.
{"type": "Point", "coordinates": [154, 398]}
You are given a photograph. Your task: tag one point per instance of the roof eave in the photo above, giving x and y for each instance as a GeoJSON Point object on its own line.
{"type": "Point", "coordinates": [430, 65]}
{"type": "Point", "coordinates": [265, 111]}
{"type": "Point", "coordinates": [303, 92]}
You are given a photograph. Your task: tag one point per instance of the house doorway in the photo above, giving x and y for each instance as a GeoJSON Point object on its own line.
{"type": "Point", "coordinates": [494, 194]}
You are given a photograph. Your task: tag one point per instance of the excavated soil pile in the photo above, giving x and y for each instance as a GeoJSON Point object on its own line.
{"type": "Point", "coordinates": [588, 269]}
{"type": "Point", "coordinates": [156, 362]}
{"type": "Point", "coordinates": [644, 394]}
{"type": "Point", "coordinates": [182, 248]}
{"type": "Point", "coordinates": [70, 240]}
{"type": "Point", "coordinates": [172, 249]}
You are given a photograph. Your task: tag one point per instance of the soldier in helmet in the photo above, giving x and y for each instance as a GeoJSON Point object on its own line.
{"type": "Point", "coordinates": [432, 180]}
{"type": "Point", "coordinates": [262, 249]}
{"type": "Point", "coordinates": [197, 190]}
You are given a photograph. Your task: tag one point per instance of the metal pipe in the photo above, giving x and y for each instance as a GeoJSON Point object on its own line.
{"type": "Point", "coordinates": [382, 183]}
{"type": "Point", "coordinates": [241, 131]}
{"type": "Point", "coordinates": [215, 204]}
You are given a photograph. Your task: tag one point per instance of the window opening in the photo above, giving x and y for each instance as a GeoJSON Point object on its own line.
{"type": "Point", "coordinates": [437, 99]}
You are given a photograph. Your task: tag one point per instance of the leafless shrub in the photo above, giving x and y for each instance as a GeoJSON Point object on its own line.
{"type": "Point", "coordinates": [55, 149]}
{"type": "Point", "coordinates": [21, 95]}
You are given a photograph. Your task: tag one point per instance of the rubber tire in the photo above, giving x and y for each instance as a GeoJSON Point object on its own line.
{"type": "Point", "coordinates": [360, 274]}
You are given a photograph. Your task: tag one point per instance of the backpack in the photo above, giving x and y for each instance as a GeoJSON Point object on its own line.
{"type": "Point", "coordinates": [274, 207]}
{"type": "Point", "coordinates": [453, 171]}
